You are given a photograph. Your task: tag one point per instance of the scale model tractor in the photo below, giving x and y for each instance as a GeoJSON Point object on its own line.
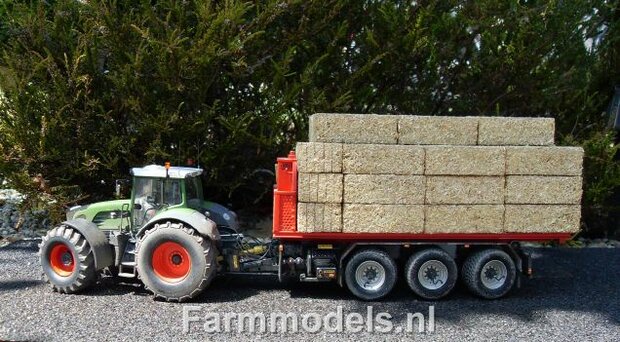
{"type": "Point", "coordinates": [166, 234]}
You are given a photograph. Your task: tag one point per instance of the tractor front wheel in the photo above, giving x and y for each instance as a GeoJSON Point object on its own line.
{"type": "Point", "coordinates": [174, 262]}
{"type": "Point", "coordinates": [67, 260]}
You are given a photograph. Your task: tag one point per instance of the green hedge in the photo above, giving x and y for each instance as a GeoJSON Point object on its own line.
{"type": "Point", "coordinates": [94, 87]}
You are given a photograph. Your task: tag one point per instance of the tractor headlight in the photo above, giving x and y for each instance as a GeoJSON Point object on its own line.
{"type": "Point", "coordinates": [231, 218]}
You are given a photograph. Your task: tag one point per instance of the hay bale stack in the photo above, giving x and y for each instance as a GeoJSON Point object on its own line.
{"type": "Point", "coordinates": [420, 174]}
{"type": "Point", "coordinates": [425, 130]}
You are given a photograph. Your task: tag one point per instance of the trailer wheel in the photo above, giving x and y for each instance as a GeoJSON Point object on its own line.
{"type": "Point", "coordinates": [67, 260]}
{"type": "Point", "coordinates": [431, 273]}
{"type": "Point", "coordinates": [489, 273]}
{"type": "Point", "coordinates": [370, 274]}
{"type": "Point", "coordinates": [174, 262]}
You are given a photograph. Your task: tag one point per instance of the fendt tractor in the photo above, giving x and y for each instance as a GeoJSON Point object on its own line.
{"type": "Point", "coordinates": [175, 242]}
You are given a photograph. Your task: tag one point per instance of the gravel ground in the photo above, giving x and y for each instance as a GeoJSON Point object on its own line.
{"type": "Point", "coordinates": [573, 296]}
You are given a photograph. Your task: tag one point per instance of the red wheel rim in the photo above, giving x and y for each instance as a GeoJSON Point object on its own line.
{"type": "Point", "coordinates": [62, 260]}
{"type": "Point", "coordinates": [171, 262]}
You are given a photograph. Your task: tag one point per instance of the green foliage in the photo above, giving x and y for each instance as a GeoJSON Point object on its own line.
{"type": "Point", "coordinates": [601, 168]}
{"type": "Point", "coordinates": [94, 87]}
{"type": "Point", "coordinates": [602, 180]}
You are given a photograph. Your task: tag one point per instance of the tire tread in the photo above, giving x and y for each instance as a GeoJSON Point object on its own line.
{"type": "Point", "coordinates": [372, 254]}
{"type": "Point", "coordinates": [85, 262]}
{"type": "Point", "coordinates": [473, 266]}
{"type": "Point", "coordinates": [209, 253]}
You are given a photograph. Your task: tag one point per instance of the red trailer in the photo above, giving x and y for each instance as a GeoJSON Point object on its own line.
{"type": "Point", "coordinates": [369, 263]}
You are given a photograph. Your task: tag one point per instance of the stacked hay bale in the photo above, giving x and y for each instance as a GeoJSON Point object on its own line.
{"type": "Point", "coordinates": [419, 174]}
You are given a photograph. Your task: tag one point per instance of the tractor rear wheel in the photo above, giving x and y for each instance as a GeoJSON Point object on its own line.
{"type": "Point", "coordinates": [67, 260]}
{"type": "Point", "coordinates": [175, 262]}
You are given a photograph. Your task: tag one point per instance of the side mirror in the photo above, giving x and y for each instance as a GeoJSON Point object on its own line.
{"type": "Point", "coordinates": [118, 184]}
{"type": "Point", "coordinates": [137, 206]}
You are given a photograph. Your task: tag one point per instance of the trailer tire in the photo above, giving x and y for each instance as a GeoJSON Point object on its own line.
{"type": "Point", "coordinates": [175, 262]}
{"type": "Point", "coordinates": [431, 273]}
{"type": "Point", "coordinates": [489, 273]}
{"type": "Point", "coordinates": [370, 274]}
{"type": "Point", "coordinates": [67, 260]}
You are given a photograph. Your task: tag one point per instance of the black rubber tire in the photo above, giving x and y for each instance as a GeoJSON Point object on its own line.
{"type": "Point", "coordinates": [380, 257]}
{"type": "Point", "coordinates": [84, 273]}
{"type": "Point", "coordinates": [472, 273]}
{"type": "Point", "coordinates": [417, 260]}
{"type": "Point", "coordinates": [202, 252]}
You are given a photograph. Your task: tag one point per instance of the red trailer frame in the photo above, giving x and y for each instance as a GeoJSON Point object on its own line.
{"type": "Point", "coordinates": [285, 219]}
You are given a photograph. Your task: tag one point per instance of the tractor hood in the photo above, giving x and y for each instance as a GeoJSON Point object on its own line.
{"type": "Point", "coordinates": [90, 210]}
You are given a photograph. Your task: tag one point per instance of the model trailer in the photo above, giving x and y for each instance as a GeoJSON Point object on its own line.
{"type": "Point", "coordinates": [175, 242]}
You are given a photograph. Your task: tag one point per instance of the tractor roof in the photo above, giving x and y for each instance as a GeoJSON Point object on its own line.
{"type": "Point", "coordinates": [158, 171]}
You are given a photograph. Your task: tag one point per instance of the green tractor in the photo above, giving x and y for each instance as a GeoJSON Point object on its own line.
{"type": "Point", "coordinates": [166, 235]}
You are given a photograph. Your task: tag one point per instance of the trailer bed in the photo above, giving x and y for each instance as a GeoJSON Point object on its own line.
{"type": "Point", "coordinates": [448, 237]}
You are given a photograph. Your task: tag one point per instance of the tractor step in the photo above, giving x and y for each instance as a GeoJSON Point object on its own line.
{"type": "Point", "coordinates": [127, 269]}
{"type": "Point", "coordinates": [127, 266]}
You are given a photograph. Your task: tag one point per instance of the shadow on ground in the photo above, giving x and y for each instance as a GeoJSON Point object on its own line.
{"type": "Point", "coordinates": [13, 285]}
{"type": "Point", "coordinates": [577, 280]}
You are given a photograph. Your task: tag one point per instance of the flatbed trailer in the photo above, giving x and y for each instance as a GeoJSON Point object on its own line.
{"type": "Point", "coordinates": [472, 253]}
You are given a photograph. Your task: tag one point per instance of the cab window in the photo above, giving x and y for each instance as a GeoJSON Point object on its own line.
{"type": "Point", "coordinates": [191, 185]}
{"type": "Point", "coordinates": [157, 191]}
{"type": "Point", "coordinates": [172, 192]}
{"type": "Point", "coordinates": [153, 194]}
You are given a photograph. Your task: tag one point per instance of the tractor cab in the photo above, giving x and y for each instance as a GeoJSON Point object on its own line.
{"type": "Point", "coordinates": [158, 192]}
{"type": "Point", "coordinates": [159, 188]}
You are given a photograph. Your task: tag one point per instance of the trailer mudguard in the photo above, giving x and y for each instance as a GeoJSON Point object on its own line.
{"type": "Point", "coordinates": [203, 225]}
{"type": "Point", "coordinates": [102, 250]}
